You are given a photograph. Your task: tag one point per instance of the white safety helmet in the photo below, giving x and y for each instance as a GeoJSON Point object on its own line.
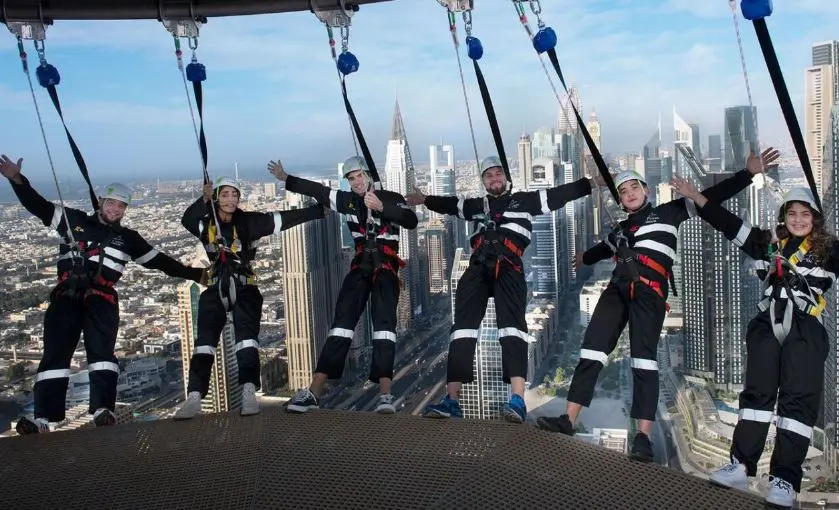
{"type": "Point", "coordinates": [117, 191]}
{"type": "Point", "coordinates": [490, 162]}
{"type": "Point", "coordinates": [629, 175]}
{"type": "Point", "coordinates": [803, 195]}
{"type": "Point", "coordinates": [225, 181]}
{"type": "Point", "coordinates": [355, 163]}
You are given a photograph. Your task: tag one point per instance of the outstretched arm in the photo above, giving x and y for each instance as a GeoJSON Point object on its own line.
{"type": "Point", "coordinates": [393, 207]}
{"type": "Point", "coordinates": [142, 253]}
{"type": "Point", "coordinates": [464, 208]}
{"type": "Point", "coordinates": [264, 224]}
{"type": "Point", "coordinates": [754, 241]}
{"type": "Point", "coordinates": [43, 209]}
{"type": "Point", "coordinates": [337, 200]}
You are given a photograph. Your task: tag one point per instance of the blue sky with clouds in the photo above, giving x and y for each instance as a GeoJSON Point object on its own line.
{"type": "Point", "coordinates": [272, 91]}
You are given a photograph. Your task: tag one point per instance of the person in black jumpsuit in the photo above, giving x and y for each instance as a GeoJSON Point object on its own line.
{"type": "Point", "coordinates": [93, 253]}
{"type": "Point", "coordinates": [644, 246]}
{"type": "Point", "coordinates": [232, 287]}
{"type": "Point", "coordinates": [374, 218]}
{"type": "Point", "coordinates": [503, 229]}
{"type": "Point", "coordinates": [786, 342]}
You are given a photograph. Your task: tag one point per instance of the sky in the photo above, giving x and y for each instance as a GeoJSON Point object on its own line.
{"type": "Point", "coordinates": [272, 92]}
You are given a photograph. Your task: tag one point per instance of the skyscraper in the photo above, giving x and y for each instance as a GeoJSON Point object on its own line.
{"type": "Point", "coordinates": [547, 230]}
{"type": "Point", "coordinates": [830, 319]}
{"type": "Point", "coordinates": [435, 234]}
{"type": "Point", "coordinates": [713, 162]}
{"type": "Point", "coordinates": [821, 92]}
{"type": "Point", "coordinates": [400, 178]}
{"type": "Point", "coordinates": [225, 392]}
{"type": "Point", "coordinates": [594, 128]}
{"type": "Point", "coordinates": [525, 153]}
{"type": "Point", "coordinates": [312, 274]}
{"type": "Point", "coordinates": [483, 397]}
{"type": "Point", "coordinates": [652, 163]}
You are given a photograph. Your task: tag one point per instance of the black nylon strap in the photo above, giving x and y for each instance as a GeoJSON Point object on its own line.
{"type": "Point", "coordinates": [365, 151]}
{"type": "Point", "coordinates": [77, 154]}
{"type": "Point", "coordinates": [595, 152]}
{"type": "Point", "coordinates": [202, 140]}
{"type": "Point", "coordinates": [493, 120]}
{"type": "Point", "coordinates": [774, 68]}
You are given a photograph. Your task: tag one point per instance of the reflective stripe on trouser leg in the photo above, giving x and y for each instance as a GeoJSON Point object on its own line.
{"type": "Point", "coordinates": [62, 329]}
{"type": "Point", "coordinates": [352, 298]}
{"type": "Point", "coordinates": [647, 310]}
{"type": "Point", "coordinates": [601, 337]}
{"type": "Point", "coordinates": [757, 400]}
{"type": "Point", "coordinates": [513, 353]}
{"type": "Point", "coordinates": [801, 386]}
{"type": "Point", "coordinates": [100, 336]}
{"type": "Point", "coordinates": [212, 318]}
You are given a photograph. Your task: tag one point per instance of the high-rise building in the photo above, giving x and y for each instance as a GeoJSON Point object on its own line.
{"type": "Point", "coordinates": [225, 393]}
{"type": "Point", "coordinates": [483, 397]}
{"type": "Point", "coordinates": [594, 128]}
{"type": "Point", "coordinates": [269, 189]}
{"type": "Point", "coordinates": [567, 120]}
{"type": "Point", "coordinates": [740, 136]}
{"type": "Point", "coordinates": [400, 178]}
{"type": "Point", "coordinates": [543, 143]}
{"type": "Point", "coordinates": [830, 319]}
{"type": "Point", "coordinates": [313, 270]}
{"type": "Point", "coordinates": [821, 92]}
{"type": "Point", "coordinates": [545, 239]}
{"type": "Point", "coordinates": [435, 234]}
{"type": "Point", "coordinates": [713, 162]}
{"type": "Point", "coordinates": [525, 153]}
{"type": "Point", "coordinates": [652, 163]}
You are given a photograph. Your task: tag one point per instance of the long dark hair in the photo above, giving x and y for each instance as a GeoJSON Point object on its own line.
{"type": "Point", "coordinates": [821, 241]}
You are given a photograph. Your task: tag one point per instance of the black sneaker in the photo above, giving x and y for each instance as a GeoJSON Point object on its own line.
{"type": "Point", "coordinates": [26, 426]}
{"type": "Point", "coordinates": [642, 448]}
{"type": "Point", "coordinates": [561, 424]}
{"type": "Point", "coordinates": [302, 401]}
{"type": "Point", "coordinates": [104, 418]}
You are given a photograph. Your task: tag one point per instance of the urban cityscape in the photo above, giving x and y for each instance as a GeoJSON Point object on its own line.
{"type": "Point", "coordinates": [701, 353]}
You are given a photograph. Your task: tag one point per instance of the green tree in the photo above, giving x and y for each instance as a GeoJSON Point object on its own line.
{"type": "Point", "coordinates": [559, 375]}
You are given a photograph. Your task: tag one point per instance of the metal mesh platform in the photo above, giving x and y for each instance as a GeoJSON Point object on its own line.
{"type": "Point", "coordinates": [333, 459]}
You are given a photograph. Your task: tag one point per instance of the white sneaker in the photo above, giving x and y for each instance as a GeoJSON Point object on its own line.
{"type": "Point", "coordinates": [249, 404]}
{"type": "Point", "coordinates": [385, 404]}
{"type": "Point", "coordinates": [190, 408]}
{"type": "Point", "coordinates": [780, 493]}
{"type": "Point", "coordinates": [732, 475]}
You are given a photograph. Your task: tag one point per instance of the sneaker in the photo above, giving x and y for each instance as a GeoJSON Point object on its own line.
{"type": "Point", "coordinates": [104, 418]}
{"type": "Point", "coordinates": [447, 408]}
{"type": "Point", "coordinates": [560, 424]}
{"type": "Point", "coordinates": [190, 408]}
{"type": "Point", "coordinates": [732, 475]}
{"type": "Point", "coordinates": [781, 494]}
{"type": "Point", "coordinates": [249, 404]}
{"type": "Point", "coordinates": [26, 426]}
{"type": "Point", "coordinates": [302, 401]}
{"type": "Point", "coordinates": [515, 411]}
{"type": "Point", "coordinates": [642, 448]}
{"type": "Point", "coordinates": [385, 404]}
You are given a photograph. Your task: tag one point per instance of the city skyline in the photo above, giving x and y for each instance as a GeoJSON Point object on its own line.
{"type": "Point", "coordinates": [271, 90]}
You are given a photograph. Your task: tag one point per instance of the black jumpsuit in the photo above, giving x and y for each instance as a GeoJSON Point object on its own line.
{"type": "Point", "coordinates": [241, 295]}
{"type": "Point", "coordinates": [504, 226]}
{"type": "Point", "coordinates": [783, 365]}
{"type": "Point", "coordinates": [85, 300]}
{"type": "Point", "coordinates": [373, 274]}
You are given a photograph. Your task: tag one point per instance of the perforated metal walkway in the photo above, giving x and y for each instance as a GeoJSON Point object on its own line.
{"type": "Point", "coordinates": [333, 459]}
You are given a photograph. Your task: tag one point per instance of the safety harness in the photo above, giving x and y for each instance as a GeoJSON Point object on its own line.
{"type": "Point", "coordinates": [490, 248]}
{"type": "Point", "coordinates": [625, 255]}
{"type": "Point", "coordinates": [794, 285]}
{"type": "Point", "coordinates": [231, 267]}
{"type": "Point", "coordinates": [368, 255]}
{"type": "Point", "coordinates": [79, 282]}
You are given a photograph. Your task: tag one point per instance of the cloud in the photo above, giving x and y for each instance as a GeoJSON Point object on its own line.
{"type": "Point", "coordinates": [272, 89]}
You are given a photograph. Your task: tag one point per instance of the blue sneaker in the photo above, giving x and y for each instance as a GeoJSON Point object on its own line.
{"type": "Point", "coordinates": [515, 411]}
{"type": "Point", "coordinates": [447, 408]}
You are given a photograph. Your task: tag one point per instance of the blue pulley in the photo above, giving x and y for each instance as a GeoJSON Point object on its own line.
{"type": "Point", "coordinates": [47, 75]}
{"type": "Point", "coordinates": [196, 71]}
{"type": "Point", "coordinates": [756, 9]}
{"type": "Point", "coordinates": [347, 63]}
{"type": "Point", "coordinates": [475, 49]}
{"type": "Point", "coordinates": [544, 40]}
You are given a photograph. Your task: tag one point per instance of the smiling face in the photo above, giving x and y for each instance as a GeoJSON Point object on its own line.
{"type": "Point", "coordinates": [358, 181]}
{"type": "Point", "coordinates": [798, 219]}
{"type": "Point", "coordinates": [228, 199]}
{"type": "Point", "coordinates": [633, 194]}
{"type": "Point", "coordinates": [111, 210]}
{"type": "Point", "coordinates": [494, 180]}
